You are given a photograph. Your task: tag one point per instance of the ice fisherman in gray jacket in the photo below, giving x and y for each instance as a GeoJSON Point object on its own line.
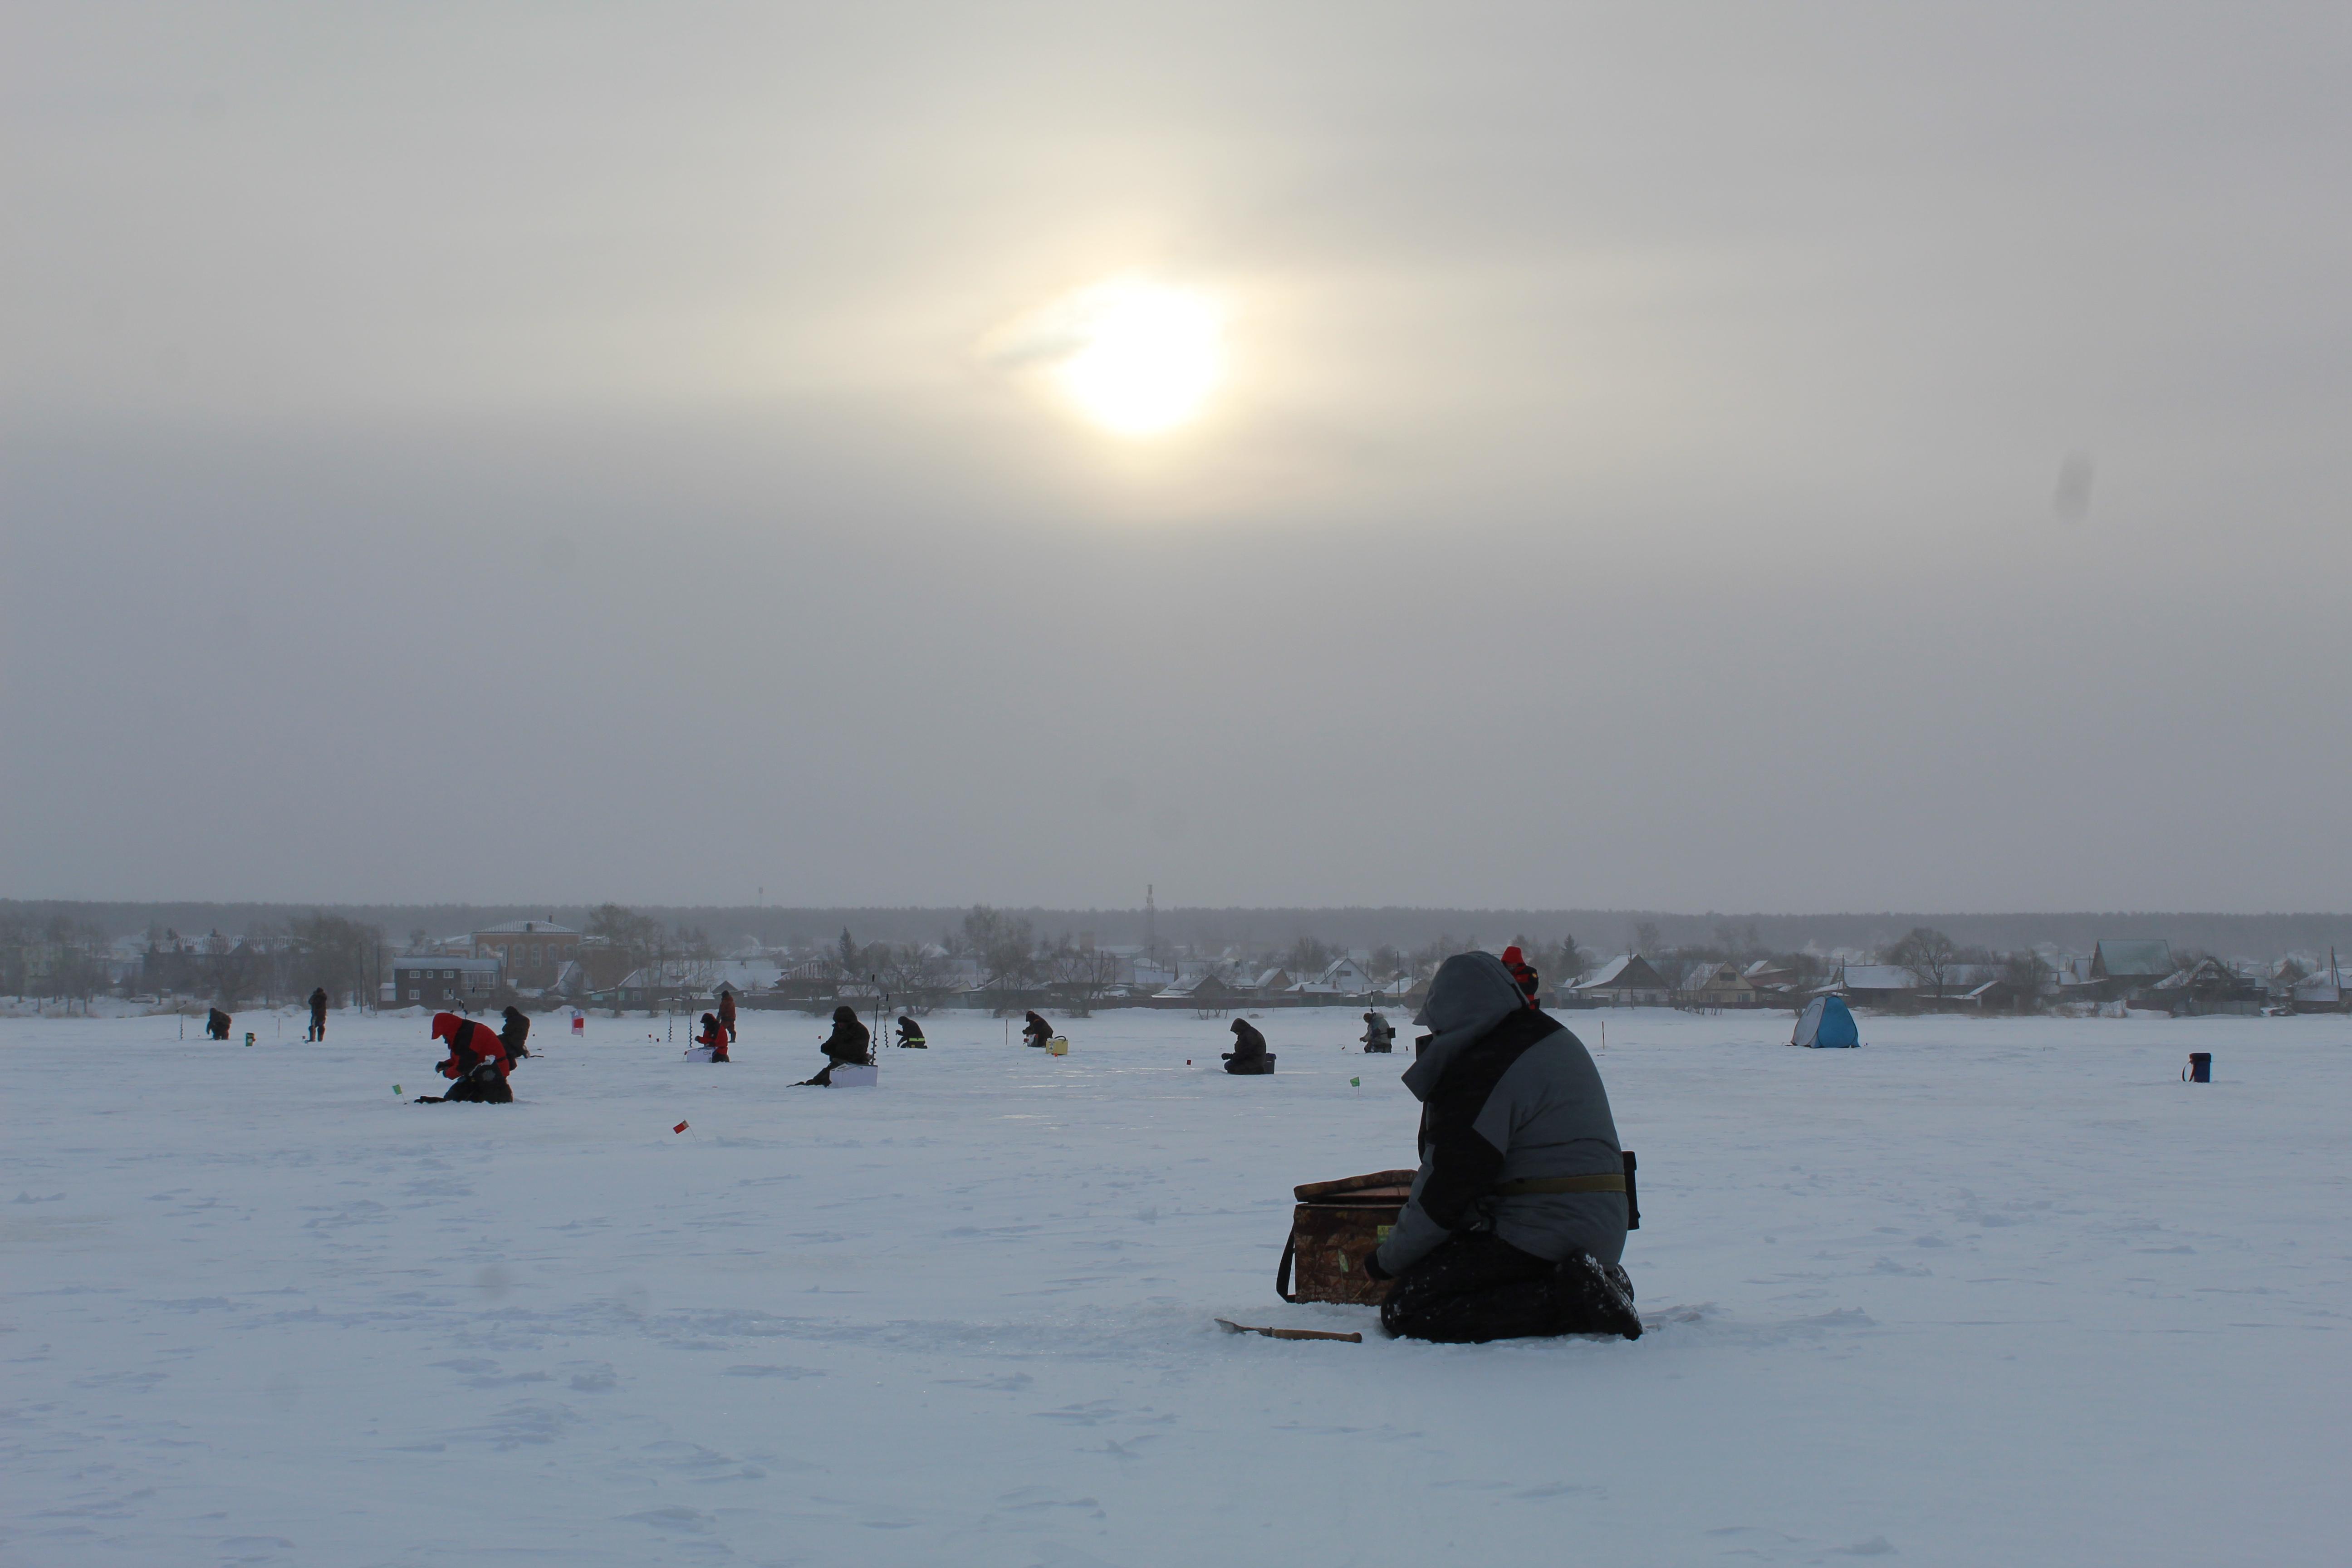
{"type": "Point", "coordinates": [1517, 1217]}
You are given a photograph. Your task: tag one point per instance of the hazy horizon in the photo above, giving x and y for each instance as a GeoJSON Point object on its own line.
{"type": "Point", "coordinates": [1599, 932]}
{"type": "Point", "coordinates": [1816, 460]}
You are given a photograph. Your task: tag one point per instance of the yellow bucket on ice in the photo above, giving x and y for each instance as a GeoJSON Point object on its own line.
{"type": "Point", "coordinates": [1058, 1047]}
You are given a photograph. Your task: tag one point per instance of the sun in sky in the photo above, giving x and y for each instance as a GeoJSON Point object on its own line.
{"type": "Point", "coordinates": [1134, 358]}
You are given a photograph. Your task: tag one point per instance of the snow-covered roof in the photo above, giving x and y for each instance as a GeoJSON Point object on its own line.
{"type": "Point", "coordinates": [707, 974]}
{"type": "Point", "coordinates": [527, 928]}
{"type": "Point", "coordinates": [2208, 971]}
{"type": "Point", "coordinates": [1614, 975]}
{"type": "Point", "coordinates": [445, 961]}
{"type": "Point", "coordinates": [1206, 981]}
{"type": "Point", "coordinates": [1878, 977]}
{"type": "Point", "coordinates": [2135, 959]}
{"type": "Point", "coordinates": [1607, 972]}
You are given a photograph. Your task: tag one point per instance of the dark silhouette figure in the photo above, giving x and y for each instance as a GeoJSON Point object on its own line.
{"type": "Point", "coordinates": [317, 1016]}
{"type": "Point", "coordinates": [910, 1035]}
{"type": "Point", "coordinates": [1249, 1056]}
{"type": "Point", "coordinates": [516, 1030]}
{"type": "Point", "coordinates": [849, 1044]}
{"type": "Point", "coordinates": [1036, 1031]}
{"type": "Point", "coordinates": [727, 1014]}
{"type": "Point", "coordinates": [217, 1024]}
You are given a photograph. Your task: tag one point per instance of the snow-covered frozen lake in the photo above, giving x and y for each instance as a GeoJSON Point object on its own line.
{"type": "Point", "coordinates": [1984, 1292]}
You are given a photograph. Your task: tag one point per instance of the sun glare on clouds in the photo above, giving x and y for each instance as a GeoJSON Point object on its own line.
{"type": "Point", "coordinates": [1134, 358]}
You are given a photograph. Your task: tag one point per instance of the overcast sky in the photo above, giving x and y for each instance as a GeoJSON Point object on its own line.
{"type": "Point", "coordinates": [1751, 458]}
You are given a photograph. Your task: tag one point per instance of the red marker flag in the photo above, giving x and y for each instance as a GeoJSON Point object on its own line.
{"type": "Point", "coordinates": [679, 1127]}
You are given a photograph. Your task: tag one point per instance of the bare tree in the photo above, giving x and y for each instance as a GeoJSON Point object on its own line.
{"type": "Point", "coordinates": [1308, 957]}
{"type": "Point", "coordinates": [1080, 972]}
{"type": "Point", "coordinates": [1004, 945]}
{"type": "Point", "coordinates": [1928, 954]}
{"type": "Point", "coordinates": [332, 953]}
{"type": "Point", "coordinates": [2025, 973]}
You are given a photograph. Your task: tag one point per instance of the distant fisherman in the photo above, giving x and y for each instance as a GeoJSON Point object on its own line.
{"type": "Point", "coordinates": [1249, 1056]}
{"type": "Point", "coordinates": [1518, 1212]}
{"type": "Point", "coordinates": [849, 1044]}
{"type": "Point", "coordinates": [910, 1035]}
{"type": "Point", "coordinates": [1379, 1034]}
{"type": "Point", "coordinates": [516, 1031]}
{"type": "Point", "coordinates": [1036, 1031]}
{"type": "Point", "coordinates": [727, 1012]}
{"type": "Point", "coordinates": [317, 1016]}
{"type": "Point", "coordinates": [217, 1024]}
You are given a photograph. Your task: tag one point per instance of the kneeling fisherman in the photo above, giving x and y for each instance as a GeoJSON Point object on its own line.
{"type": "Point", "coordinates": [1519, 1212]}
{"type": "Point", "coordinates": [476, 1066]}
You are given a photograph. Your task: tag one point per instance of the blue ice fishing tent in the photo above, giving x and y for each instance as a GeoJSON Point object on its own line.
{"type": "Point", "coordinates": [1827, 1023]}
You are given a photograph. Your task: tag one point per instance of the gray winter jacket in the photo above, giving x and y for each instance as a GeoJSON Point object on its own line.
{"type": "Point", "coordinates": [1507, 1095]}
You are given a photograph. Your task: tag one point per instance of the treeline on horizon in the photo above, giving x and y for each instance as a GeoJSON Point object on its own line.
{"type": "Point", "coordinates": [1599, 932]}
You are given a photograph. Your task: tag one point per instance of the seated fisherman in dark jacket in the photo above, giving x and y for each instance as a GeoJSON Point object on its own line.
{"type": "Point", "coordinates": [1036, 1031]}
{"type": "Point", "coordinates": [910, 1035]}
{"type": "Point", "coordinates": [1518, 1215]}
{"type": "Point", "coordinates": [1249, 1053]}
{"type": "Point", "coordinates": [848, 1046]}
{"type": "Point", "coordinates": [217, 1024]}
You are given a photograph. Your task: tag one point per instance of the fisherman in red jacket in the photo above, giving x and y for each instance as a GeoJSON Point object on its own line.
{"type": "Point", "coordinates": [1524, 973]}
{"type": "Point", "coordinates": [478, 1064]}
{"type": "Point", "coordinates": [712, 1040]}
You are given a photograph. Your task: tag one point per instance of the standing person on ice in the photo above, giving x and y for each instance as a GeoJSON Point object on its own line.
{"type": "Point", "coordinates": [317, 1016]}
{"type": "Point", "coordinates": [849, 1044]}
{"type": "Point", "coordinates": [516, 1030]}
{"type": "Point", "coordinates": [1518, 1215]}
{"type": "Point", "coordinates": [910, 1035]}
{"type": "Point", "coordinates": [478, 1064]}
{"type": "Point", "coordinates": [727, 1013]}
{"type": "Point", "coordinates": [1036, 1031]}
{"type": "Point", "coordinates": [1248, 1056]}
{"type": "Point", "coordinates": [217, 1024]}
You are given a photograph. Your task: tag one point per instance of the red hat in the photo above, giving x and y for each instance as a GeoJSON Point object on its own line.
{"type": "Point", "coordinates": [1513, 955]}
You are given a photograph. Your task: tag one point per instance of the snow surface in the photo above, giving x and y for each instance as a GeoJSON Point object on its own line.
{"type": "Point", "coordinates": [1981, 1292]}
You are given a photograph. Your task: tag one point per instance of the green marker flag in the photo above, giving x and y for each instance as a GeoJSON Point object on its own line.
{"type": "Point", "coordinates": [1356, 1083]}
{"type": "Point", "coordinates": [395, 1088]}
